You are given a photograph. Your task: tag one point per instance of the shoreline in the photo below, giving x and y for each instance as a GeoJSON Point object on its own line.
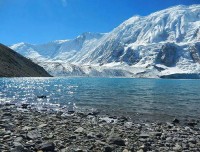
{"type": "Point", "coordinates": [164, 77]}
{"type": "Point", "coordinates": [25, 129]}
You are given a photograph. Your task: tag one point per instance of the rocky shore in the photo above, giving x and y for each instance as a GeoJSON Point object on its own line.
{"type": "Point", "coordinates": [25, 129]}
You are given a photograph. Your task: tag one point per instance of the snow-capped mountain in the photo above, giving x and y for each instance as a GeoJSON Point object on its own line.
{"type": "Point", "coordinates": [160, 44]}
{"type": "Point", "coordinates": [59, 49]}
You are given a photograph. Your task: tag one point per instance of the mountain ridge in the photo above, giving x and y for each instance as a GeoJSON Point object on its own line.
{"type": "Point", "coordinates": [13, 64]}
{"type": "Point", "coordinates": [133, 47]}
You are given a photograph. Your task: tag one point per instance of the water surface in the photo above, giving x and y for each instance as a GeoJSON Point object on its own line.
{"type": "Point", "coordinates": [148, 97]}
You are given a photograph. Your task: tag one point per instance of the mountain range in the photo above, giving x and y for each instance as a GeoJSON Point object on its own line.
{"type": "Point", "coordinates": [163, 44]}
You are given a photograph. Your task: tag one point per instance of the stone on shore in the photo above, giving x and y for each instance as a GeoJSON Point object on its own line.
{"type": "Point", "coordinates": [79, 130]}
{"type": "Point", "coordinates": [47, 147]}
{"type": "Point", "coordinates": [34, 134]}
{"type": "Point", "coordinates": [46, 131]}
{"type": "Point", "coordinates": [19, 149]}
{"type": "Point", "coordinates": [116, 140]}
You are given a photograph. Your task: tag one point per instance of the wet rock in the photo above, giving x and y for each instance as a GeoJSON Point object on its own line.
{"type": "Point", "coordinates": [99, 135]}
{"type": "Point", "coordinates": [29, 144]}
{"type": "Point", "coordinates": [107, 149]}
{"type": "Point", "coordinates": [116, 140]}
{"type": "Point", "coordinates": [18, 139]}
{"type": "Point", "coordinates": [94, 113]}
{"type": "Point", "coordinates": [42, 97]}
{"type": "Point", "coordinates": [155, 134]}
{"type": "Point", "coordinates": [81, 114]}
{"type": "Point", "coordinates": [170, 125]}
{"type": "Point", "coordinates": [19, 149]}
{"type": "Point", "coordinates": [192, 140]}
{"type": "Point", "coordinates": [191, 145]}
{"type": "Point", "coordinates": [123, 119]}
{"type": "Point", "coordinates": [169, 139]}
{"type": "Point", "coordinates": [78, 150]}
{"type": "Point", "coordinates": [185, 146]}
{"type": "Point", "coordinates": [192, 123]}
{"type": "Point", "coordinates": [34, 134]}
{"type": "Point", "coordinates": [71, 111]}
{"type": "Point", "coordinates": [175, 121]}
{"type": "Point", "coordinates": [91, 135]}
{"type": "Point", "coordinates": [64, 150]}
{"type": "Point", "coordinates": [7, 114]}
{"type": "Point", "coordinates": [142, 140]}
{"type": "Point", "coordinates": [50, 136]}
{"type": "Point", "coordinates": [34, 130]}
{"type": "Point", "coordinates": [145, 147]}
{"type": "Point", "coordinates": [26, 128]}
{"type": "Point", "coordinates": [144, 135]}
{"type": "Point", "coordinates": [47, 146]}
{"type": "Point", "coordinates": [112, 117]}
{"type": "Point", "coordinates": [9, 104]}
{"type": "Point", "coordinates": [94, 121]}
{"type": "Point", "coordinates": [79, 130]}
{"type": "Point", "coordinates": [128, 125]}
{"type": "Point", "coordinates": [132, 149]}
{"type": "Point", "coordinates": [42, 125]}
{"type": "Point", "coordinates": [125, 150]}
{"type": "Point", "coordinates": [16, 144]}
{"type": "Point", "coordinates": [177, 147]}
{"type": "Point", "coordinates": [24, 106]}
{"type": "Point", "coordinates": [163, 149]}
{"type": "Point", "coordinates": [6, 137]}
{"type": "Point", "coordinates": [72, 137]}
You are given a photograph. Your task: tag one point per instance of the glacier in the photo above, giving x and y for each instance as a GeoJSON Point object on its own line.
{"type": "Point", "coordinates": [164, 44]}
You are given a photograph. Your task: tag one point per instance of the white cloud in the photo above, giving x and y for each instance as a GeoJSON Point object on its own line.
{"type": "Point", "coordinates": [64, 3]}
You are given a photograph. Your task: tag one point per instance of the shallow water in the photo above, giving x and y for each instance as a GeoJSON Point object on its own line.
{"type": "Point", "coordinates": [160, 97]}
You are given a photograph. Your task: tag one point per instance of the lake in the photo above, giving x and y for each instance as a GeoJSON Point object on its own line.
{"type": "Point", "coordinates": [147, 98]}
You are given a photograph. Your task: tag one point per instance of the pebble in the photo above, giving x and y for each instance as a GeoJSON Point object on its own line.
{"type": "Point", "coordinates": [144, 135]}
{"type": "Point", "coordinates": [192, 140]}
{"type": "Point", "coordinates": [42, 125]}
{"type": "Point", "coordinates": [48, 131]}
{"type": "Point", "coordinates": [177, 147]}
{"type": "Point", "coordinates": [78, 150]}
{"type": "Point", "coordinates": [107, 149]}
{"type": "Point", "coordinates": [91, 135]}
{"type": "Point", "coordinates": [47, 146]}
{"type": "Point", "coordinates": [128, 124]}
{"type": "Point", "coordinates": [18, 139]}
{"type": "Point", "coordinates": [156, 133]}
{"type": "Point", "coordinates": [79, 130]}
{"type": "Point", "coordinates": [34, 134]}
{"type": "Point", "coordinates": [26, 128]}
{"type": "Point", "coordinates": [16, 144]}
{"type": "Point", "coordinates": [117, 141]}
{"type": "Point", "coordinates": [19, 149]}
{"type": "Point", "coordinates": [125, 150]}
{"type": "Point", "coordinates": [175, 121]}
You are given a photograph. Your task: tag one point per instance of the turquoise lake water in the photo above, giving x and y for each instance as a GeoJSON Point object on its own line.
{"type": "Point", "coordinates": [148, 97]}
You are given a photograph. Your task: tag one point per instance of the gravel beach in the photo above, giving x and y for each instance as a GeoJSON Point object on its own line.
{"type": "Point", "coordinates": [25, 129]}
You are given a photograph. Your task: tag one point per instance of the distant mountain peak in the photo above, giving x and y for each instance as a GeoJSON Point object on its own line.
{"type": "Point", "coordinates": [90, 35]}
{"type": "Point", "coordinates": [141, 42]}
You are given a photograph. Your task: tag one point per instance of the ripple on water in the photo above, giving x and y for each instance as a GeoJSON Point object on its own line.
{"type": "Point", "coordinates": [154, 96]}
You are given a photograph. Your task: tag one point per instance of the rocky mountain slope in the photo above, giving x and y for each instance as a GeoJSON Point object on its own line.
{"type": "Point", "coordinates": [13, 64]}
{"type": "Point", "coordinates": [160, 44]}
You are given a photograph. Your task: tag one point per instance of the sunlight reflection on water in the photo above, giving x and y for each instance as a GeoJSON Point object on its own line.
{"type": "Point", "coordinates": [175, 97]}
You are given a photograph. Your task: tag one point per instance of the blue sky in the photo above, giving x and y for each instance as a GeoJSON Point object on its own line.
{"type": "Point", "coordinates": [39, 21]}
